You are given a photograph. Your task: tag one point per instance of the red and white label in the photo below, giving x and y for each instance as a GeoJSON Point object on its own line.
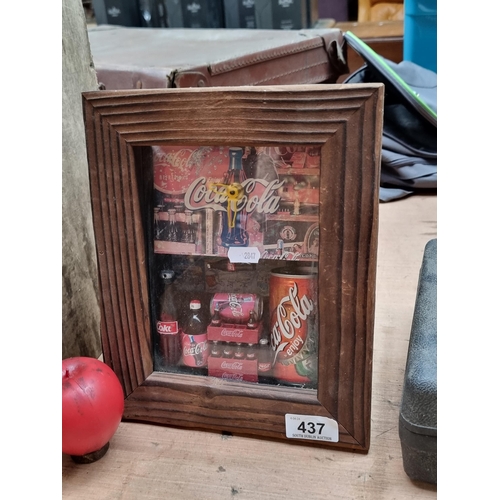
{"type": "Point", "coordinates": [231, 369]}
{"type": "Point", "coordinates": [167, 327]}
{"type": "Point", "coordinates": [195, 350]}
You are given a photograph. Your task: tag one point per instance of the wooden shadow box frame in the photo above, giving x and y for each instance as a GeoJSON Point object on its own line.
{"type": "Point", "coordinates": [345, 121]}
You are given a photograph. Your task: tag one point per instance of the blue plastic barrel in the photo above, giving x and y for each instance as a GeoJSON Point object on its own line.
{"type": "Point", "coordinates": [420, 33]}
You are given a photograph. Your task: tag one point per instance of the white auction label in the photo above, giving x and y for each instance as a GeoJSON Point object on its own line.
{"type": "Point", "coordinates": [250, 255]}
{"type": "Point", "coordinates": [311, 427]}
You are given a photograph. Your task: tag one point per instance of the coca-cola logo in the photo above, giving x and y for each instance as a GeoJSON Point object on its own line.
{"type": "Point", "coordinates": [232, 376]}
{"type": "Point", "coordinates": [175, 159]}
{"type": "Point", "coordinates": [286, 324]}
{"type": "Point", "coordinates": [167, 327]}
{"type": "Point", "coordinates": [227, 332]}
{"type": "Point", "coordinates": [235, 306]}
{"type": "Point", "coordinates": [195, 349]}
{"type": "Point", "coordinates": [233, 365]}
{"type": "Point", "coordinates": [286, 255]}
{"type": "Point", "coordinates": [200, 195]}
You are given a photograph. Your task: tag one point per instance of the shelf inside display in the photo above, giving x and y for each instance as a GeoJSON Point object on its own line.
{"type": "Point", "coordinates": [251, 315]}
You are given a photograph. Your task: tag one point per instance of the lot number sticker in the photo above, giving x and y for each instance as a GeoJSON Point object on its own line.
{"type": "Point", "coordinates": [248, 255]}
{"type": "Point", "coordinates": [311, 428]}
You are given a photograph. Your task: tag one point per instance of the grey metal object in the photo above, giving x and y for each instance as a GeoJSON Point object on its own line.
{"type": "Point", "coordinates": [418, 413]}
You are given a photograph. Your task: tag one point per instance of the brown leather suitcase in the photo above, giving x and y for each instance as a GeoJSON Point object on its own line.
{"type": "Point", "coordinates": [129, 58]}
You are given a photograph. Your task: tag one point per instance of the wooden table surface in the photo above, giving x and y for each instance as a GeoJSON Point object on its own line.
{"type": "Point", "coordinates": [152, 462]}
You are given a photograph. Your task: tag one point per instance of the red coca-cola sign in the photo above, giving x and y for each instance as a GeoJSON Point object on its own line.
{"type": "Point", "coordinates": [177, 167]}
{"type": "Point", "coordinates": [232, 369]}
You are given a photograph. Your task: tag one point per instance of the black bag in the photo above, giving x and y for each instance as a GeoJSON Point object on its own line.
{"type": "Point", "coordinates": [409, 142]}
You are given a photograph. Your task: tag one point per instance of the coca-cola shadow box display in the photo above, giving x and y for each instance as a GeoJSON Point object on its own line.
{"type": "Point", "coordinates": [236, 234]}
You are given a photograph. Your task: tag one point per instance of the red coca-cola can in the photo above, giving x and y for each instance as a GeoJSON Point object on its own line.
{"type": "Point", "coordinates": [236, 307]}
{"type": "Point", "coordinates": [293, 296]}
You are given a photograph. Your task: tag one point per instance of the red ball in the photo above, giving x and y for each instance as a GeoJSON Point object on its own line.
{"type": "Point", "coordinates": [92, 405]}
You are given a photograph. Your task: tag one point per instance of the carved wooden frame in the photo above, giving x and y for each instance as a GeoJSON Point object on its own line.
{"type": "Point", "coordinates": [346, 121]}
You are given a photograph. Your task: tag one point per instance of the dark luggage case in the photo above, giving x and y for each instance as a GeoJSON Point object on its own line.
{"type": "Point", "coordinates": [418, 414]}
{"type": "Point", "coordinates": [134, 58]}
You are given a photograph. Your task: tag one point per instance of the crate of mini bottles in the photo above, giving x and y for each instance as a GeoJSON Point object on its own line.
{"type": "Point", "coordinates": [236, 232]}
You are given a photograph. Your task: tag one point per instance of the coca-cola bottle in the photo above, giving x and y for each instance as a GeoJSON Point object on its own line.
{"type": "Point", "coordinates": [216, 319]}
{"type": "Point", "coordinates": [216, 350]}
{"type": "Point", "coordinates": [157, 223]}
{"type": "Point", "coordinates": [194, 339]}
{"type": "Point", "coordinates": [233, 227]}
{"type": "Point", "coordinates": [265, 362]}
{"type": "Point", "coordinates": [228, 351]}
{"type": "Point", "coordinates": [167, 325]}
{"type": "Point", "coordinates": [179, 225]}
{"type": "Point", "coordinates": [252, 324]}
{"type": "Point", "coordinates": [239, 352]}
{"type": "Point", "coordinates": [251, 352]}
{"type": "Point", "coordinates": [172, 228]}
{"type": "Point", "coordinates": [188, 235]}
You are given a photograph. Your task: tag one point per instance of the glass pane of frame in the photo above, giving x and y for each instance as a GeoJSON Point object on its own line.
{"type": "Point", "coordinates": [235, 253]}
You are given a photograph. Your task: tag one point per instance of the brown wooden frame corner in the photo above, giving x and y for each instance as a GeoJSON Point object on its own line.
{"type": "Point", "coordinates": [346, 121]}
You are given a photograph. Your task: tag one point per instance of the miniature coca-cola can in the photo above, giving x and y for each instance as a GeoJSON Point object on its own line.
{"type": "Point", "coordinates": [236, 307]}
{"type": "Point", "coordinates": [292, 309]}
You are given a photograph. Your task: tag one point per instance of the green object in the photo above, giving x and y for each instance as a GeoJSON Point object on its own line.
{"type": "Point", "coordinates": [390, 78]}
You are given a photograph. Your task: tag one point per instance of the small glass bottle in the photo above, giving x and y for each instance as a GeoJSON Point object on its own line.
{"type": "Point", "coordinates": [157, 223]}
{"type": "Point", "coordinates": [251, 352]}
{"type": "Point", "coordinates": [228, 351]}
{"type": "Point", "coordinates": [239, 352]}
{"type": "Point", "coordinates": [172, 228]}
{"type": "Point", "coordinates": [189, 234]}
{"type": "Point", "coordinates": [216, 351]}
{"type": "Point", "coordinates": [264, 364]}
{"type": "Point", "coordinates": [216, 320]}
{"type": "Point", "coordinates": [179, 225]}
{"type": "Point", "coordinates": [252, 324]}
